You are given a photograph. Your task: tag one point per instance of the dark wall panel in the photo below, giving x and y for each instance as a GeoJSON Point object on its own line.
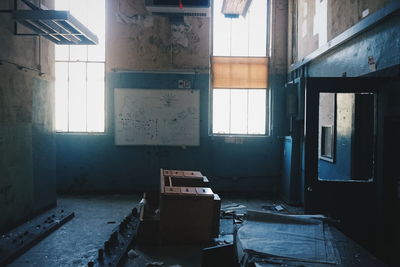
{"type": "Point", "coordinates": [92, 163]}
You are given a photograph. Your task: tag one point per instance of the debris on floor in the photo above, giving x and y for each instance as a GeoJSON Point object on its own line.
{"type": "Point", "coordinates": [22, 238]}
{"type": "Point", "coordinates": [276, 237]}
{"type": "Point", "coordinates": [233, 207]}
{"type": "Point", "coordinates": [274, 208]}
{"type": "Point", "coordinates": [132, 254]}
{"type": "Point", "coordinates": [116, 247]}
{"type": "Point", "coordinates": [227, 214]}
{"type": "Point", "coordinates": [155, 263]}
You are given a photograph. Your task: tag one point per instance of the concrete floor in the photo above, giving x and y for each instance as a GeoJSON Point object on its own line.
{"type": "Point", "coordinates": [76, 242]}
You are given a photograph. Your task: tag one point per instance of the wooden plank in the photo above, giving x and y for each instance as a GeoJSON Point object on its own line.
{"type": "Point", "coordinates": [121, 239]}
{"type": "Point", "coordinates": [204, 191]}
{"type": "Point", "coordinates": [172, 190]}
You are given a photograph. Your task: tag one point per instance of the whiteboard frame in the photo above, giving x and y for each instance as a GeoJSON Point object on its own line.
{"type": "Point", "coordinates": [196, 143]}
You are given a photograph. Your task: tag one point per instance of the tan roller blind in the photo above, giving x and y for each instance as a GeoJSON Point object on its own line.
{"type": "Point", "coordinates": [240, 72]}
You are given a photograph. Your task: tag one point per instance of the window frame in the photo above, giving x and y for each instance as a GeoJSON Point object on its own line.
{"type": "Point", "coordinates": [268, 92]}
{"type": "Point", "coordinates": [86, 62]}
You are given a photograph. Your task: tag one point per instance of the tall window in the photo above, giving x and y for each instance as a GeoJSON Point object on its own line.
{"type": "Point", "coordinates": [80, 72]}
{"type": "Point", "coordinates": [240, 71]}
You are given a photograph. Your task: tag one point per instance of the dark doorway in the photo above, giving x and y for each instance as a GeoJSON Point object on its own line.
{"type": "Point", "coordinates": [389, 194]}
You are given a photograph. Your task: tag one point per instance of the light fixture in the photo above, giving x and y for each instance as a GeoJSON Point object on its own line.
{"type": "Point", "coordinates": [235, 8]}
{"type": "Point", "coordinates": [57, 26]}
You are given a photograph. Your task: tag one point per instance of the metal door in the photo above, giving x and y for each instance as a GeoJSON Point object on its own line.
{"type": "Point", "coordinates": [351, 201]}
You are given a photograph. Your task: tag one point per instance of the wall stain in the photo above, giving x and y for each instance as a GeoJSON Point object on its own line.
{"type": "Point", "coordinates": [5, 193]}
{"type": "Point", "coordinates": [81, 179]}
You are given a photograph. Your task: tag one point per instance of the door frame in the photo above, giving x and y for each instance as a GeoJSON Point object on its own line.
{"type": "Point", "coordinates": [314, 86]}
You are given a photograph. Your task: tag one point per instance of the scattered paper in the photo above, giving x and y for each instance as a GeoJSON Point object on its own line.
{"type": "Point", "coordinates": [132, 254]}
{"type": "Point", "coordinates": [279, 208]}
{"type": "Point", "coordinates": [155, 263]}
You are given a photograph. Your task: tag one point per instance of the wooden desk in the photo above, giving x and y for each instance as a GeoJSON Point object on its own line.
{"type": "Point", "coordinates": [189, 209]}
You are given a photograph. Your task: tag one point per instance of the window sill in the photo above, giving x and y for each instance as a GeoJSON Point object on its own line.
{"type": "Point", "coordinates": [240, 135]}
{"type": "Point", "coordinates": [80, 133]}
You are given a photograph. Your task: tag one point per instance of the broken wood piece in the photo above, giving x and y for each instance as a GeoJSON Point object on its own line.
{"type": "Point", "coordinates": [155, 263]}
{"type": "Point", "coordinates": [24, 237]}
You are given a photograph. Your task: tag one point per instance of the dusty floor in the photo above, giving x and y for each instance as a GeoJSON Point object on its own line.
{"type": "Point", "coordinates": [76, 242]}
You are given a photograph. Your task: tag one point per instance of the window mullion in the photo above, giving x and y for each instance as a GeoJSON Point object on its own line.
{"type": "Point", "coordinates": [247, 116]}
{"type": "Point", "coordinates": [230, 111]}
{"type": "Point", "coordinates": [86, 100]}
{"type": "Point", "coordinates": [68, 91]}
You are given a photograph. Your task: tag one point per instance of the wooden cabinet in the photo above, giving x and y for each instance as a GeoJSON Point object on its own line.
{"type": "Point", "coordinates": [187, 210]}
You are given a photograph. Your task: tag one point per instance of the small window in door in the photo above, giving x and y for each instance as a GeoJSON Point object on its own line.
{"type": "Point", "coordinates": [327, 143]}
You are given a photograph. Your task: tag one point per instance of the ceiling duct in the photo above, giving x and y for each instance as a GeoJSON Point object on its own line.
{"type": "Point", "coordinates": [171, 8]}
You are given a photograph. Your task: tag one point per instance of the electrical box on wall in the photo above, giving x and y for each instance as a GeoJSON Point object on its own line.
{"type": "Point", "coordinates": [295, 99]}
{"type": "Point", "coordinates": [187, 84]}
{"type": "Point", "coordinates": [291, 100]}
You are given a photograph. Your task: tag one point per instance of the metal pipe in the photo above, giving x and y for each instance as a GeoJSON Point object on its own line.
{"type": "Point", "coordinates": [15, 23]}
{"type": "Point", "coordinates": [40, 47]}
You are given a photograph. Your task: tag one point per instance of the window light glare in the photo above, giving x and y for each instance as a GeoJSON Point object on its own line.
{"type": "Point", "coordinates": [80, 82]}
{"type": "Point", "coordinates": [240, 111]}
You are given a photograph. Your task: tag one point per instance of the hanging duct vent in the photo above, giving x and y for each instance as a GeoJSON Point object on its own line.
{"type": "Point", "coordinates": [235, 8]}
{"type": "Point", "coordinates": [198, 8]}
{"type": "Point", "coordinates": [59, 27]}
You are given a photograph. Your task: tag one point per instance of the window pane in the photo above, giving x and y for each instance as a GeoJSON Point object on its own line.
{"type": "Point", "coordinates": [80, 97]}
{"type": "Point", "coordinates": [95, 101]}
{"type": "Point", "coordinates": [96, 23]}
{"type": "Point", "coordinates": [238, 111]}
{"type": "Point", "coordinates": [240, 37]}
{"type": "Point", "coordinates": [78, 52]}
{"type": "Point", "coordinates": [257, 111]}
{"type": "Point", "coordinates": [258, 28]}
{"type": "Point", "coordinates": [221, 32]}
{"type": "Point", "coordinates": [61, 4]}
{"type": "Point", "coordinates": [79, 9]}
{"type": "Point", "coordinates": [243, 36]}
{"type": "Point", "coordinates": [77, 97]}
{"type": "Point", "coordinates": [62, 52]}
{"type": "Point", "coordinates": [61, 94]}
{"type": "Point", "coordinates": [97, 52]}
{"type": "Point", "coordinates": [221, 110]}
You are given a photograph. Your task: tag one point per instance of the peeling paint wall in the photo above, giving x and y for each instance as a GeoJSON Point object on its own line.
{"type": "Point", "coordinates": [320, 21]}
{"type": "Point", "coordinates": [382, 43]}
{"type": "Point", "coordinates": [27, 145]}
{"type": "Point", "coordinates": [137, 40]}
{"type": "Point", "coordinates": [141, 52]}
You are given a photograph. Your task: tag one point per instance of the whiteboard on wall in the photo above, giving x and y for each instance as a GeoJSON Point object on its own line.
{"type": "Point", "coordinates": [166, 117]}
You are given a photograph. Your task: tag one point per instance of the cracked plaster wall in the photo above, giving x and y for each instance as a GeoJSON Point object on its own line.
{"type": "Point", "coordinates": [27, 145]}
{"type": "Point", "coordinates": [137, 40]}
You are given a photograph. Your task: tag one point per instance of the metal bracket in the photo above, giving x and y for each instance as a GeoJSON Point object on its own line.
{"type": "Point", "coordinates": [33, 7]}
